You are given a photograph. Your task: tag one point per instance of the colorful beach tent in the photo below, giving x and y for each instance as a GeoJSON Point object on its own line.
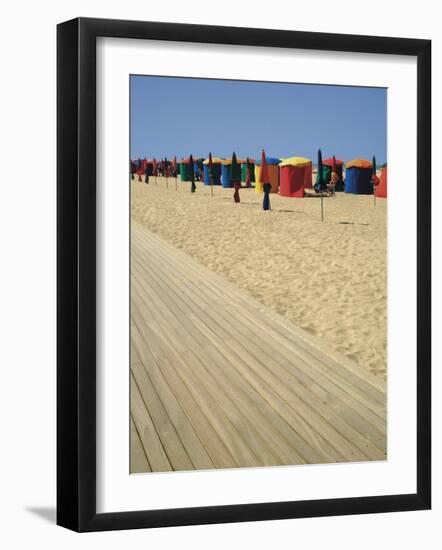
{"type": "Point", "coordinates": [148, 167]}
{"type": "Point", "coordinates": [358, 173]}
{"type": "Point", "coordinates": [198, 167]}
{"type": "Point", "coordinates": [216, 170]}
{"type": "Point", "coordinates": [381, 189]}
{"type": "Point", "coordinates": [184, 169]}
{"type": "Point", "coordinates": [295, 174]}
{"type": "Point", "coordinates": [244, 170]}
{"type": "Point", "coordinates": [273, 170]}
{"type": "Point", "coordinates": [327, 166]}
{"type": "Point", "coordinates": [225, 172]}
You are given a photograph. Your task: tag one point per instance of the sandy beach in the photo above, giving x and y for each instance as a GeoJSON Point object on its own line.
{"type": "Point", "coordinates": [328, 278]}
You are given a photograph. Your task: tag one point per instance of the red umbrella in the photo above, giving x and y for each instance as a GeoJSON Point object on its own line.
{"type": "Point", "coordinates": [265, 180]}
{"type": "Point", "coordinates": [154, 169]}
{"type": "Point", "coordinates": [334, 175]}
{"type": "Point", "coordinates": [264, 172]}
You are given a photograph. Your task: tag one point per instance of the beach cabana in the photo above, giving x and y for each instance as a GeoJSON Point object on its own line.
{"type": "Point", "coordinates": [327, 165]}
{"type": "Point", "coordinates": [140, 166]}
{"type": "Point", "coordinates": [273, 170]}
{"type": "Point", "coordinates": [184, 169]}
{"type": "Point", "coordinates": [358, 177]}
{"type": "Point", "coordinates": [198, 167]}
{"type": "Point", "coordinates": [148, 169]}
{"type": "Point", "coordinates": [225, 171]}
{"type": "Point", "coordinates": [244, 170]}
{"type": "Point", "coordinates": [381, 189]}
{"type": "Point", "coordinates": [295, 174]}
{"type": "Point", "coordinates": [216, 169]}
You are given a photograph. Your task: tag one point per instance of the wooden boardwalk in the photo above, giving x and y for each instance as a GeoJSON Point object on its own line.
{"type": "Point", "coordinates": [220, 381]}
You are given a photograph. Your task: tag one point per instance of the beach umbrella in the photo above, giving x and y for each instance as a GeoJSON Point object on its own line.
{"type": "Point", "coordinates": [174, 172]}
{"type": "Point", "coordinates": [132, 169]}
{"type": "Point", "coordinates": [211, 175]}
{"type": "Point", "coordinates": [165, 172]}
{"type": "Point", "coordinates": [191, 175]}
{"type": "Point", "coordinates": [235, 177]}
{"type": "Point", "coordinates": [374, 179]}
{"type": "Point", "coordinates": [320, 184]}
{"type": "Point", "coordinates": [248, 174]}
{"type": "Point", "coordinates": [154, 168]}
{"type": "Point", "coordinates": [334, 175]}
{"type": "Point", "coordinates": [265, 180]}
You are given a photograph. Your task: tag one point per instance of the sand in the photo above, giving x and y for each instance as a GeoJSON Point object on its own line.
{"type": "Point", "coordinates": [328, 278]}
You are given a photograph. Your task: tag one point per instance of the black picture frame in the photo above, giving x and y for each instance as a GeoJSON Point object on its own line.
{"type": "Point", "coordinates": [77, 287]}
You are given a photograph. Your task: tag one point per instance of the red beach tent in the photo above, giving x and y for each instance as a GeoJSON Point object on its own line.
{"type": "Point", "coordinates": [294, 176]}
{"type": "Point", "coordinates": [381, 189]}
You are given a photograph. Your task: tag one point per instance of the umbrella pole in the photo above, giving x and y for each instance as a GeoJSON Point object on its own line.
{"type": "Point", "coordinates": [176, 183]}
{"type": "Point", "coordinates": [322, 208]}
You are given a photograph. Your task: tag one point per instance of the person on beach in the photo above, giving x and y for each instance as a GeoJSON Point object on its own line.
{"type": "Point", "coordinates": [333, 182]}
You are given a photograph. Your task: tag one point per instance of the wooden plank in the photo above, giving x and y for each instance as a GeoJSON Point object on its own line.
{"type": "Point", "coordinates": [216, 448]}
{"type": "Point", "coordinates": [147, 370]}
{"type": "Point", "coordinates": [148, 435]}
{"type": "Point", "coordinates": [138, 459]}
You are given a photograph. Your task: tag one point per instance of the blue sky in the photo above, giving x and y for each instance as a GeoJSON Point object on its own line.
{"type": "Point", "coordinates": [182, 116]}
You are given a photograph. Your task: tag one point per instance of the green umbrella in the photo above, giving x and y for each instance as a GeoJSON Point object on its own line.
{"type": "Point", "coordinates": [320, 184]}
